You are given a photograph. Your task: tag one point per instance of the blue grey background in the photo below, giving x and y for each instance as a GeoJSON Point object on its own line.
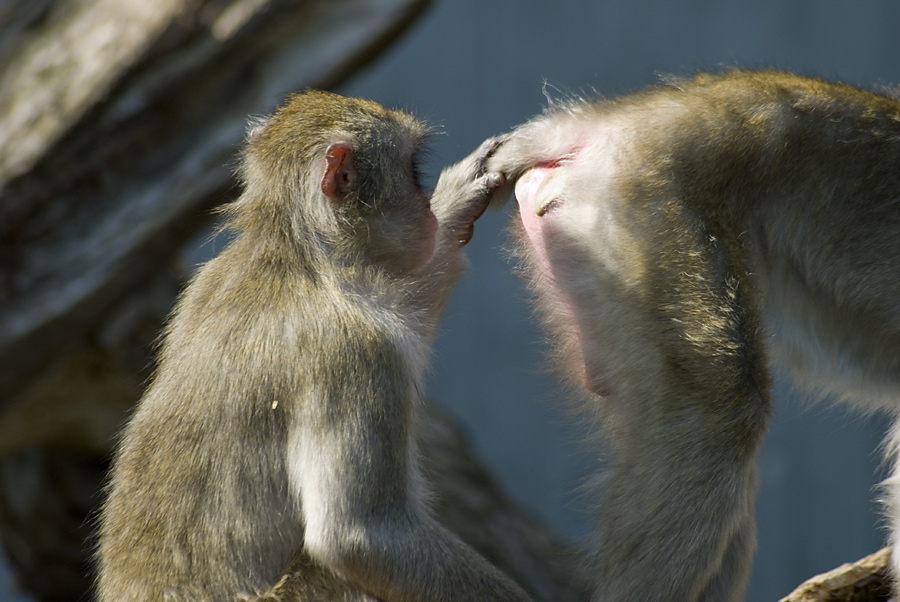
{"type": "Point", "coordinates": [475, 68]}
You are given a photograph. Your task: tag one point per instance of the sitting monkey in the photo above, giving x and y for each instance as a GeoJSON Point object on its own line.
{"type": "Point", "coordinates": [273, 456]}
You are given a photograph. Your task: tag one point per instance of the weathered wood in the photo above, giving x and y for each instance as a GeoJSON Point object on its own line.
{"type": "Point", "coordinates": [113, 150]}
{"type": "Point", "coordinates": [865, 580]}
{"type": "Point", "coordinates": [79, 52]}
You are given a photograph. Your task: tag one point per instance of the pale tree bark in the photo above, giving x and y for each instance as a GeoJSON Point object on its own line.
{"type": "Point", "coordinates": [866, 580]}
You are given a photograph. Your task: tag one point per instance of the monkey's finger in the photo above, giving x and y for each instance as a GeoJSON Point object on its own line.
{"type": "Point", "coordinates": [486, 150]}
{"type": "Point", "coordinates": [490, 191]}
{"type": "Point", "coordinates": [490, 182]}
{"type": "Point", "coordinates": [486, 185]}
{"type": "Point", "coordinates": [498, 187]}
{"type": "Point", "coordinates": [489, 146]}
{"type": "Point", "coordinates": [465, 235]}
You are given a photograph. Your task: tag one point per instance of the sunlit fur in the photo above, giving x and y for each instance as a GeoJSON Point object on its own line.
{"type": "Point", "coordinates": [273, 456]}
{"type": "Point", "coordinates": [678, 238]}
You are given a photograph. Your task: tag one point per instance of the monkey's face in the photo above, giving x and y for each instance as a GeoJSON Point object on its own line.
{"type": "Point", "coordinates": [425, 224]}
{"type": "Point", "coordinates": [401, 228]}
{"type": "Point", "coordinates": [409, 240]}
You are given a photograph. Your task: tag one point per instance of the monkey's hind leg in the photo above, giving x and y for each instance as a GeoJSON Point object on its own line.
{"type": "Point", "coordinates": [683, 427]}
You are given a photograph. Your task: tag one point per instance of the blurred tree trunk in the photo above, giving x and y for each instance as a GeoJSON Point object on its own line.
{"type": "Point", "coordinates": [119, 124]}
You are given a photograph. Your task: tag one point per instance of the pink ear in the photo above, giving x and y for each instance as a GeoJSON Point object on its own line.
{"type": "Point", "coordinates": [339, 173]}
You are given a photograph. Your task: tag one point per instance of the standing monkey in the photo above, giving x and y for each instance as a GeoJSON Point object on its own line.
{"type": "Point", "coordinates": [279, 427]}
{"type": "Point", "coordinates": [677, 237]}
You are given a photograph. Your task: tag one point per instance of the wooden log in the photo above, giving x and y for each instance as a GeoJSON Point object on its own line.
{"type": "Point", "coordinates": [865, 580]}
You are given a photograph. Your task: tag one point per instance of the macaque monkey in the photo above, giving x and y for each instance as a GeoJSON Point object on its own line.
{"type": "Point", "coordinates": [677, 240]}
{"type": "Point", "coordinates": [273, 456]}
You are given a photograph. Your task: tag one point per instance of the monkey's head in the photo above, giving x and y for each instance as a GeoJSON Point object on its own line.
{"type": "Point", "coordinates": [337, 177]}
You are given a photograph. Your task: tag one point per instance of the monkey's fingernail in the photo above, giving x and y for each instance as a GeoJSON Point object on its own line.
{"type": "Point", "coordinates": [495, 179]}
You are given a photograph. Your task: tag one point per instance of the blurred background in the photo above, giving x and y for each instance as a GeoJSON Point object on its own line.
{"type": "Point", "coordinates": [475, 68]}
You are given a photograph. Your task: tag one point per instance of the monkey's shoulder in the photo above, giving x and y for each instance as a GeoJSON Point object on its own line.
{"type": "Point", "coordinates": [380, 329]}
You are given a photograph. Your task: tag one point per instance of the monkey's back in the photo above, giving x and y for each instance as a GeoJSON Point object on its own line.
{"type": "Point", "coordinates": [199, 504]}
{"type": "Point", "coordinates": [797, 178]}
{"type": "Point", "coordinates": [807, 172]}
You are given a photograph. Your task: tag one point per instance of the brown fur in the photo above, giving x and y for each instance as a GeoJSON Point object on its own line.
{"type": "Point", "coordinates": [273, 455]}
{"type": "Point", "coordinates": [680, 236]}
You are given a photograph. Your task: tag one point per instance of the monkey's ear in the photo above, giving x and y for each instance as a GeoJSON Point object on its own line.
{"type": "Point", "coordinates": [339, 173]}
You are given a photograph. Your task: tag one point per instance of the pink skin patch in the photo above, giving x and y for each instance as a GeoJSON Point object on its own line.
{"type": "Point", "coordinates": [538, 220]}
{"type": "Point", "coordinates": [526, 190]}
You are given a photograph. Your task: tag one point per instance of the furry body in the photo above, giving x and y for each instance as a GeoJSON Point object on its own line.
{"type": "Point", "coordinates": [681, 239]}
{"type": "Point", "coordinates": [273, 457]}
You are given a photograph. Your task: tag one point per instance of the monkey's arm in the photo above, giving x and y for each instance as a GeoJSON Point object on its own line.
{"type": "Point", "coordinates": [353, 461]}
{"type": "Point", "coordinates": [463, 192]}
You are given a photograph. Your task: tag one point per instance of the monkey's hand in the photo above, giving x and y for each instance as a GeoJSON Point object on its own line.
{"type": "Point", "coordinates": [464, 191]}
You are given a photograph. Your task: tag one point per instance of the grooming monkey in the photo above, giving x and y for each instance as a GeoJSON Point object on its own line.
{"type": "Point", "coordinates": [279, 429]}
{"type": "Point", "coordinates": [675, 239]}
